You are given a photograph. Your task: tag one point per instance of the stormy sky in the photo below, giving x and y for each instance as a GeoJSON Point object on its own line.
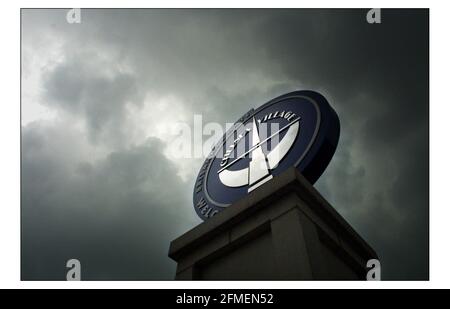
{"type": "Point", "coordinates": [99, 100]}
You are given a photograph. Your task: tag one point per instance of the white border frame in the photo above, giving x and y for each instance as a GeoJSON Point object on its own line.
{"type": "Point", "coordinates": [10, 156]}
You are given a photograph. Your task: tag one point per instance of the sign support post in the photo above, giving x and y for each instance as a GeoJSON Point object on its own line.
{"type": "Point", "coordinates": [282, 230]}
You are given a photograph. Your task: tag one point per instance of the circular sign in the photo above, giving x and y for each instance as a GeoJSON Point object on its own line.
{"type": "Point", "coordinates": [296, 129]}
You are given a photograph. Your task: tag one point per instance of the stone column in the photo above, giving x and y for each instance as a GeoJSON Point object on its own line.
{"type": "Point", "coordinates": [283, 230]}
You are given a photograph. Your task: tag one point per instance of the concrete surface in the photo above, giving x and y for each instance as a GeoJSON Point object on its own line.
{"type": "Point", "coordinates": [283, 230]}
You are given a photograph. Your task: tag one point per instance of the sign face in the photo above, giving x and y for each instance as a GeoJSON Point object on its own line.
{"type": "Point", "coordinates": [296, 129]}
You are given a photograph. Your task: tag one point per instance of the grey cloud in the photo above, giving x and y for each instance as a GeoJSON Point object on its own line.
{"type": "Point", "coordinates": [77, 87]}
{"type": "Point", "coordinates": [75, 209]}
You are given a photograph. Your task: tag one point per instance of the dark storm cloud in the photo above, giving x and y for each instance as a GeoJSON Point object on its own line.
{"type": "Point", "coordinates": [76, 210]}
{"type": "Point", "coordinates": [376, 76]}
{"type": "Point", "coordinates": [219, 63]}
{"type": "Point", "coordinates": [77, 88]}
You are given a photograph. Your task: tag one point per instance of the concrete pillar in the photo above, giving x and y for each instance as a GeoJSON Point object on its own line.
{"type": "Point", "coordinates": [283, 230]}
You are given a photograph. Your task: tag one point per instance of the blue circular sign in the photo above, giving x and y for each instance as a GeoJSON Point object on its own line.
{"type": "Point", "coordinates": [296, 129]}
